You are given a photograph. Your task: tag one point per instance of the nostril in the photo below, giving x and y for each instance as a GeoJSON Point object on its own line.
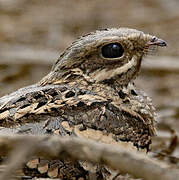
{"type": "Point", "coordinates": [156, 41]}
{"type": "Point", "coordinates": [153, 39]}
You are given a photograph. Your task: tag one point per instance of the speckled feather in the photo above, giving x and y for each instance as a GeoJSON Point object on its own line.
{"type": "Point", "coordinates": [86, 93]}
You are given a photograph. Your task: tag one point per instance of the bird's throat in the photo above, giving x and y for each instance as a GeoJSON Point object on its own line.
{"type": "Point", "coordinates": [129, 69]}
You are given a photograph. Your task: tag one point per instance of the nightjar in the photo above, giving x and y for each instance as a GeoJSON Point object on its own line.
{"type": "Point", "coordinates": [89, 93]}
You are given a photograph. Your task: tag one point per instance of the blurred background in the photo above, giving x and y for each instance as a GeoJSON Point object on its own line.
{"type": "Point", "coordinates": [33, 33]}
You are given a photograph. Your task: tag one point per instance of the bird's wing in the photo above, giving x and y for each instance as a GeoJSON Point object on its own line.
{"type": "Point", "coordinates": [36, 103]}
{"type": "Point", "coordinates": [69, 111]}
{"type": "Point", "coordinates": [55, 105]}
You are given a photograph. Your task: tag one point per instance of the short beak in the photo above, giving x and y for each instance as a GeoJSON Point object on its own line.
{"type": "Point", "coordinates": [158, 42]}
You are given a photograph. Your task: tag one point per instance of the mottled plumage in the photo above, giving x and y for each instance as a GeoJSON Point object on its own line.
{"type": "Point", "coordinates": [90, 93]}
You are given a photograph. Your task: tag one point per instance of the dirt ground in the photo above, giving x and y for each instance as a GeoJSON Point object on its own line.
{"type": "Point", "coordinates": [33, 33]}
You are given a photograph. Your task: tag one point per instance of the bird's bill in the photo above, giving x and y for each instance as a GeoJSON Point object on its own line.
{"type": "Point", "coordinates": [158, 42]}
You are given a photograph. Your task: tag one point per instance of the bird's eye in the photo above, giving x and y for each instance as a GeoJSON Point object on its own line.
{"type": "Point", "coordinates": [113, 50]}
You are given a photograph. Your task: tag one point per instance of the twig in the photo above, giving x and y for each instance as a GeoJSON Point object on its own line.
{"type": "Point", "coordinates": [57, 147]}
{"type": "Point", "coordinates": [18, 156]}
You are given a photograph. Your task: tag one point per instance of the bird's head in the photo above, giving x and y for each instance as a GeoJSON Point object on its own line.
{"type": "Point", "coordinates": [104, 56]}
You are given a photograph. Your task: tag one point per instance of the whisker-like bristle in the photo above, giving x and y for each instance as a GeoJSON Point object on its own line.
{"type": "Point", "coordinates": [150, 50]}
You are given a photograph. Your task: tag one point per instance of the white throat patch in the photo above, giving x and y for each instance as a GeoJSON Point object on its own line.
{"type": "Point", "coordinates": [103, 74]}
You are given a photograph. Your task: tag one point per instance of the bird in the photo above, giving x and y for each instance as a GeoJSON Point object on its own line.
{"type": "Point", "coordinates": [90, 92]}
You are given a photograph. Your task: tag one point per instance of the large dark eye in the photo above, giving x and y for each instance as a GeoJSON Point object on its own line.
{"type": "Point", "coordinates": [113, 50]}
